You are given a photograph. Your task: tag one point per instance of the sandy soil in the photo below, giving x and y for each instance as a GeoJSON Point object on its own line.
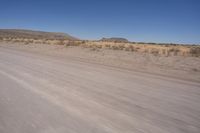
{"type": "Point", "coordinates": [174, 66]}
{"type": "Point", "coordinates": [51, 89]}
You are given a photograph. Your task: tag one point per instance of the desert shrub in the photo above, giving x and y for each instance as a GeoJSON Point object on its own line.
{"type": "Point", "coordinates": [91, 46]}
{"type": "Point", "coordinates": [26, 43]}
{"type": "Point", "coordinates": [195, 51]}
{"type": "Point", "coordinates": [121, 46]}
{"type": "Point", "coordinates": [153, 43]}
{"type": "Point", "coordinates": [146, 51]}
{"type": "Point", "coordinates": [86, 45]}
{"type": "Point", "coordinates": [29, 41]}
{"type": "Point", "coordinates": [60, 42]}
{"type": "Point", "coordinates": [8, 39]}
{"type": "Point", "coordinates": [93, 49]}
{"type": "Point", "coordinates": [114, 47]}
{"type": "Point", "coordinates": [167, 45]}
{"type": "Point", "coordinates": [83, 42]}
{"type": "Point", "coordinates": [73, 43]}
{"type": "Point", "coordinates": [99, 46]}
{"type": "Point", "coordinates": [155, 51]}
{"type": "Point", "coordinates": [136, 49]}
{"type": "Point", "coordinates": [15, 40]}
{"type": "Point", "coordinates": [173, 44]}
{"type": "Point", "coordinates": [131, 48]}
{"type": "Point", "coordinates": [174, 51]}
{"type": "Point", "coordinates": [126, 49]}
{"type": "Point", "coordinates": [107, 45]}
{"type": "Point", "coordinates": [164, 51]}
{"type": "Point", "coordinates": [141, 42]}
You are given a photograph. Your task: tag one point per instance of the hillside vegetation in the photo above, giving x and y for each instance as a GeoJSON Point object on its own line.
{"type": "Point", "coordinates": [30, 34]}
{"type": "Point", "coordinates": [38, 37]}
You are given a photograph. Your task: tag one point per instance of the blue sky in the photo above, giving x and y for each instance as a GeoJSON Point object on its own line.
{"type": "Point", "coordinates": [172, 21]}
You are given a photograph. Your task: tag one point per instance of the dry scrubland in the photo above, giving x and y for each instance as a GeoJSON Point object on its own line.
{"type": "Point", "coordinates": [54, 89]}
{"type": "Point", "coordinates": [155, 49]}
{"type": "Point", "coordinates": [181, 61]}
{"type": "Point", "coordinates": [96, 86]}
{"type": "Point", "coordinates": [170, 59]}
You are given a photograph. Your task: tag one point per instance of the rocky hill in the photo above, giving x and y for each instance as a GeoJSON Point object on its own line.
{"type": "Point", "coordinates": [19, 33]}
{"type": "Point", "coordinates": [114, 39]}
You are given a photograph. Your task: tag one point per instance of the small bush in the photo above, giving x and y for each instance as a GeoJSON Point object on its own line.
{"type": "Point", "coordinates": [114, 47]}
{"type": "Point", "coordinates": [131, 48]}
{"type": "Point", "coordinates": [121, 47]}
{"type": "Point", "coordinates": [195, 51]}
{"type": "Point", "coordinates": [73, 43]}
{"type": "Point", "coordinates": [127, 49]}
{"type": "Point", "coordinates": [60, 42]}
{"type": "Point", "coordinates": [83, 42]}
{"type": "Point", "coordinates": [174, 51]}
{"type": "Point", "coordinates": [155, 51]}
{"type": "Point", "coordinates": [26, 43]}
{"type": "Point", "coordinates": [107, 46]}
{"type": "Point", "coordinates": [99, 46]}
{"type": "Point", "coordinates": [146, 51]}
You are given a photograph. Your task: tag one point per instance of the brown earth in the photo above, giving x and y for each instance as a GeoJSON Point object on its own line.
{"type": "Point", "coordinates": [57, 89]}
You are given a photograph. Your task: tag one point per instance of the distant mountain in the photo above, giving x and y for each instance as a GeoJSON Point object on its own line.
{"type": "Point", "coordinates": [19, 33]}
{"type": "Point", "coordinates": [114, 39]}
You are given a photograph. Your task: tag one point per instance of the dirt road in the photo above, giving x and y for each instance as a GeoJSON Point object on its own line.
{"type": "Point", "coordinates": [48, 94]}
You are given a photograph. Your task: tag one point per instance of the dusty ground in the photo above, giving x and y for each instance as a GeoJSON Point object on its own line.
{"type": "Point", "coordinates": [53, 89]}
{"type": "Point", "coordinates": [183, 67]}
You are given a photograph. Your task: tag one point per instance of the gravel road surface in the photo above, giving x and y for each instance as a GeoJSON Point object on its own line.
{"type": "Point", "coordinates": [48, 94]}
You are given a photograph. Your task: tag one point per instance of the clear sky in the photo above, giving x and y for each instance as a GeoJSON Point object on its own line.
{"type": "Point", "coordinates": [172, 21]}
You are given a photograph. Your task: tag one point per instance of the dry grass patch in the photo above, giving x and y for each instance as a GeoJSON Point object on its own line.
{"type": "Point", "coordinates": [155, 49]}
